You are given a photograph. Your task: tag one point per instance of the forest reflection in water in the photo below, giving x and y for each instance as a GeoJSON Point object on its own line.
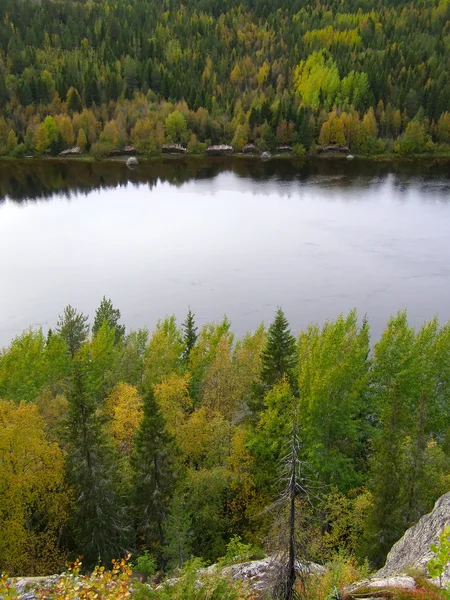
{"type": "Point", "coordinates": [35, 179]}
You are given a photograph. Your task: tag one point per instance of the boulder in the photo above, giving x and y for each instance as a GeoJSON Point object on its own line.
{"type": "Point", "coordinates": [27, 587]}
{"type": "Point", "coordinates": [249, 149]}
{"type": "Point", "coordinates": [372, 588]}
{"type": "Point", "coordinates": [284, 149]}
{"type": "Point", "coordinates": [132, 161]}
{"type": "Point", "coordinates": [266, 155]}
{"type": "Point", "coordinates": [75, 151]}
{"type": "Point", "coordinates": [173, 149]}
{"type": "Point", "coordinates": [219, 150]}
{"type": "Point", "coordinates": [412, 551]}
{"type": "Point", "coordinates": [127, 151]}
{"type": "Point", "coordinates": [259, 574]}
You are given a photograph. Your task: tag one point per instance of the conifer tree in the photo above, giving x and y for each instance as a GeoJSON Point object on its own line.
{"type": "Point", "coordinates": [279, 355]}
{"type": "Point", "coordinates": [153, 463]}
{"type": "Point", "coordinates": [73, 328]}
{"type": "Point", "coordinates": [99, 522]}
{"type": "Point", "coordinates": [190, 335]}
{"type": "Point", "coordinates": [106, 312]}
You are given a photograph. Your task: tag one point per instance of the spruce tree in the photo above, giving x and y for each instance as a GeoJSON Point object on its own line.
{"type": "Point", "coordinates": [99, 522]}
{"type": "Point", "coordinates": [279, 355]}
{"type": "Point", "coordinates": [153, 463]}
{"type": "Point", "coordinates": [190, 335]}
{"type": "Point", "coordinates": [73, 328]}
{"type": "Point", "coordinates": [106, 312]}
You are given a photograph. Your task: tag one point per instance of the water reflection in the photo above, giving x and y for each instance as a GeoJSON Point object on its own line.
{"type": "Point", "coordinates": [237, 237]}
{"type": "Point", "coordinates": [41, 179]}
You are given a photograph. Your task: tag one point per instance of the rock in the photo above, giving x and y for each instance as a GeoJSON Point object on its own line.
{"type": "Point", "coordinates": [350, 157]}
{"type": "Point", "coordinates": [284, 149]}
{"type": "Point", "coordinates": [333, 149]}
{"type": "Point", "coordinates": [372, 588]}
{"type": "Point", "coordinates": [249, 149]}
{"type": "Point", "coordinates": [132, 161]}
{"type": "Point", "coordinates": [126, 151]}
{"type": "Point", "coordinates": [27, 587]}
{"type": "Point", "coordinates": [412, 551]}
{"type": "Point", "coordinates": [173, 149]}
{"type": "Point", "coordinates": [75, 151]}
{"type": "Point", "coordinates": [219, 150]}
{"type": "Point", "coordinates": [266, 155]}
{"type": "Point", "coordinates": [258, 574]}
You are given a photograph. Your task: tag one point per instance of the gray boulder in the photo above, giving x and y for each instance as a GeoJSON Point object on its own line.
{"type": "Point", "coordinates": [412, 551]}
{"type": "Point", "coordinates": [266, 155]}
{"type": "Point", "coordinates": [132, 161]}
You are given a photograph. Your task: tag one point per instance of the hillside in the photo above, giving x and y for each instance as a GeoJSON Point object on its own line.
{"type": "Point", "coordinates": [354, 73]}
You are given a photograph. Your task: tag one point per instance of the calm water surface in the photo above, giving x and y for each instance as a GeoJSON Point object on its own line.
{"type": "Point", "coordinates": [239, 238]}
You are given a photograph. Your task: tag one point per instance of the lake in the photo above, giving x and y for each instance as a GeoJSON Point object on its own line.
{"type": "Point", "coordinates": [234, 236]}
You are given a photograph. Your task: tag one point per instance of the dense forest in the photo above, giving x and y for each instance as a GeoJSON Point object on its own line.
{"type": "Point", "coordinates": [374, 76]}
{"type": "Point", "coordinates": [170, 444]}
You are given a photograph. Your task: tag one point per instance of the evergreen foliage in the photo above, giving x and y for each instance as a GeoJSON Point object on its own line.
{"type": "Point", "coordinates": [279, 356]}
{"type": "Point", "coordinates": [190, 335]}
{"type": "Point", "coordinates": [154, 477]}
{"type": "Point", "coordinates": [99, 524]}
{"type": "Point", "coordinates": [106, 312]}
{"type": "Point", "coordinates": [73, 328]}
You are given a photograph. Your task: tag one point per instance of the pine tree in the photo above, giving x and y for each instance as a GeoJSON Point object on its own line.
{"type": "Point", "coordinates": [73, 328]}
{"type": "Point", "coordinates": [106, 312]}
{"type": "Point", "coordinates": [153, 463]}
{"type": "Point", "coordinates": [279, 355]}
{"type": "Point", "coordinates": [99, 522]}
{"type": "Point", "coordinates": [190, 335]}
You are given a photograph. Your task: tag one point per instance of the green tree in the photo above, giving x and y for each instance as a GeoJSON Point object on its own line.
{"type": "Point", "coordinates": [106, 312]}
{"type": "Point", "coordinates": [178, 533]}
{"type": "Point", "coordinates": [189, 335]}
{"type": "Point", "coordinates": [175, 126]}
{"type": "Point", "coordinates": [333, 399]}
{"type": "Point", "coordinates": [74, 100]}
{"type": "Point", "coordinates": [73, 328]}
{"type": "Point", "coordinates": [11, 144]}
{"type": "Point", "coordinates": [279, 356]}
{"type": "Point", "coordinates": [153, 462]}
{"type": "Point", "coordinates": [99, 524]}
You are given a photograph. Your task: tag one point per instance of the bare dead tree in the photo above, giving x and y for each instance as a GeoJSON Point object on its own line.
{"type": "Point", "coordinates": [299, 489]}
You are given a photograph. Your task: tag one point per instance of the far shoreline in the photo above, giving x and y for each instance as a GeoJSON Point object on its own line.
{"type": "Point", "coordinates": [441, 158]}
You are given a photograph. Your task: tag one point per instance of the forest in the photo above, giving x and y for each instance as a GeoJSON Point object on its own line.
{"type": "Point", "coordinates": [169, 444]}
{"type": "Point", "coordinates": [371, 76]}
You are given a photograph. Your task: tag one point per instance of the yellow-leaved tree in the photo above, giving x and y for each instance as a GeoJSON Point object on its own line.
{"type": "Point", "coordinates": [123, 408]}
{"type": "Point", "coordinates": [35, 501]}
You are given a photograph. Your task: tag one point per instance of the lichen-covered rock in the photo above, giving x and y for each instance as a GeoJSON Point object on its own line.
{"type": "Point", "coordinates": [26, 587]}
{"type": "Point", "coordinates": [412, 551]}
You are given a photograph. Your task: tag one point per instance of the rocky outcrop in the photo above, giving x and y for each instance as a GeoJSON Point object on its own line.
{"type": "Point", "coordinates": [257, 576]}
{"type": "Point", "coordinates": [260, 574]}
{"type": "Point", "coordinates": [412, 551]}
{"type": "Point", "coordinates": [219, 150]}
{"type": "Point", "coordinates": [369, 589]}
{"type": "Point", "coordinates": [333, 149]}
{"type": "Point", "coordinates": [27, 587]}
{"type": "Point", "coordinates": [127, 151]}
{"type": "Point", "coordinates": [173, 149]}
{"type": "Point", "coordinates": [75, 151]}
{"type": "Point", "coordinates": [284, 149]}
{"type": "Point", "coordinates": [249, 149]}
